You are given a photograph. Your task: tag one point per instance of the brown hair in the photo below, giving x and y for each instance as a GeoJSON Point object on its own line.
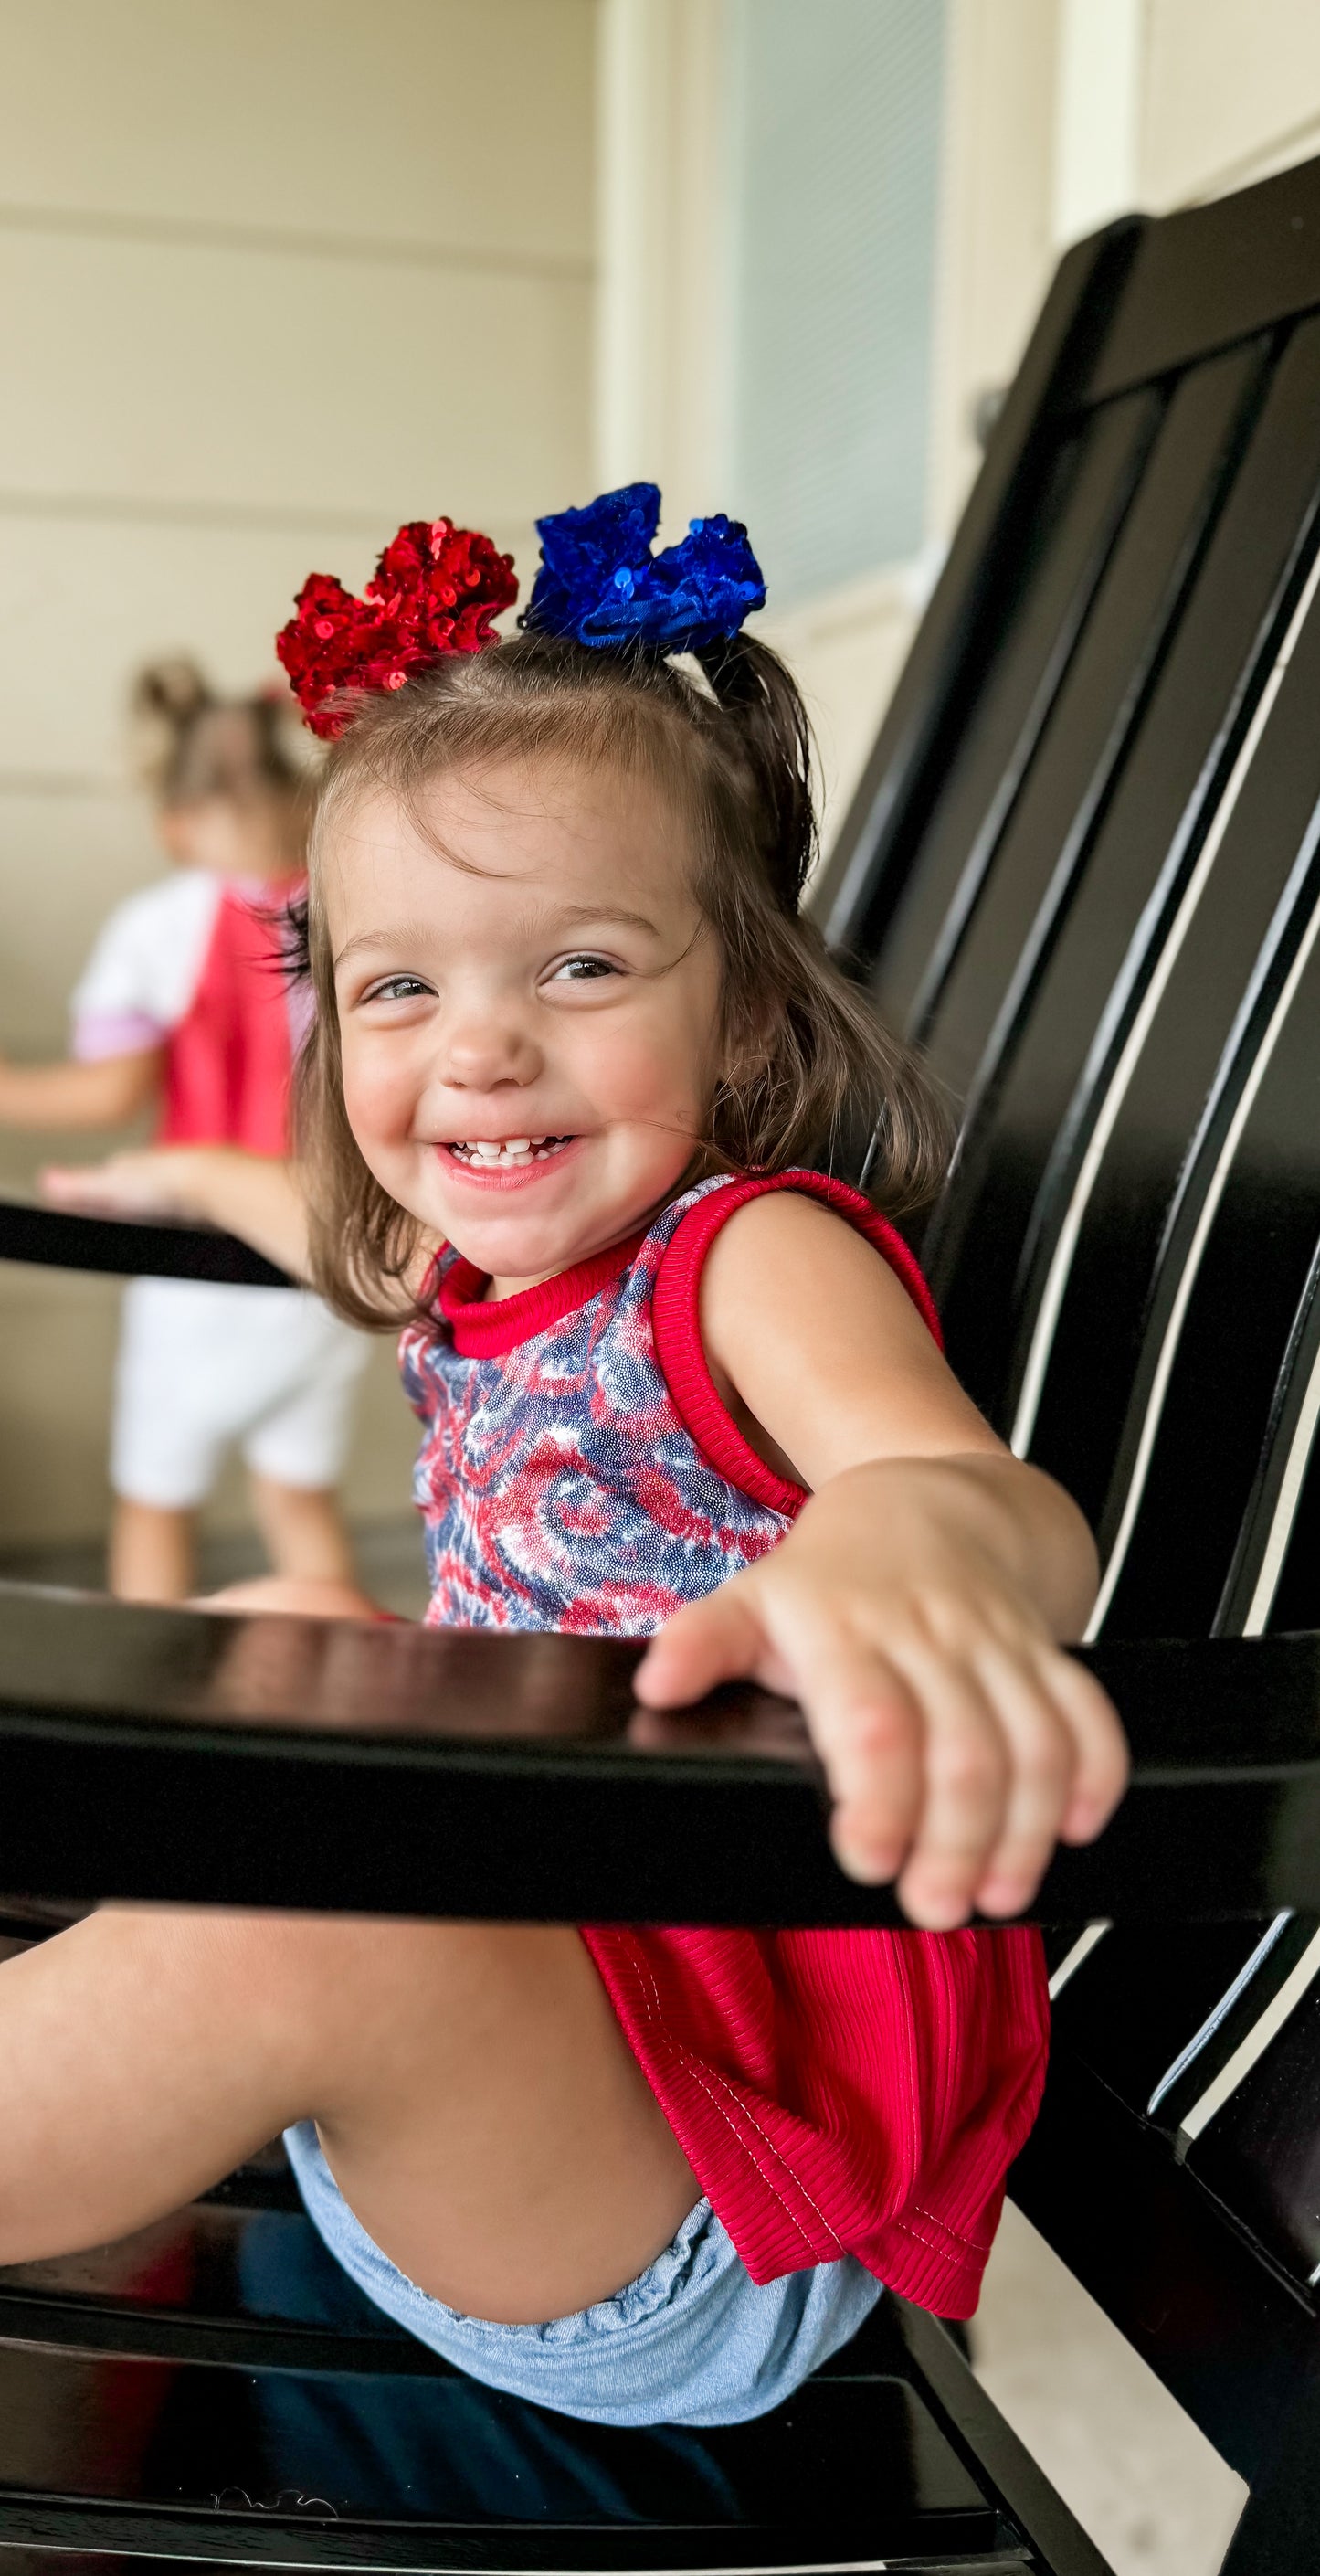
{"type": "Point", "coordinates": [806, 1061]}
{"type": "Point", "coordinates": [190, 744]}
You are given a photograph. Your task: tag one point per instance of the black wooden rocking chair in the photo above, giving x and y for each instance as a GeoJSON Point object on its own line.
{"type": "Point", "coordinates": [1084, 866]}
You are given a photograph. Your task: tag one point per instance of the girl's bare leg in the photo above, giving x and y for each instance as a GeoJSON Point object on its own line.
{"type": "Point", "coordinates": [303, 1531]}
{"type": "Point", "coordinates": [476, 2099]}
{"type": "Point", "coordinates": [152, 1552]}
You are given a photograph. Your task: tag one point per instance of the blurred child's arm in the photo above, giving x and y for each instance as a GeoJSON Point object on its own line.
{"type": "Point", "coordinates": [107, 1092]}
{"type": "Point", "coordinates": [249, 1195]}
{"type": "Point", "coordinates": [917, 1606]}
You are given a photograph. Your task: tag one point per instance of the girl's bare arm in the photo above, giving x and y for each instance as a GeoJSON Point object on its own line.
{"type": "Point", "coordinates": [918, 1606]}
{"type": "Point", "coordinates": [249, 1195]}
{"type": "Point", "coordinates": [107, 1093]}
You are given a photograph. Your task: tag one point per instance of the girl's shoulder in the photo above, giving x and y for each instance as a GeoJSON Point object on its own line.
{"type": "Point", "coordinates": [148, 954]}
{"type": "Point", "coordinates": [769, 1208]}
{"type": "Point", "coordinates": [177, 906]}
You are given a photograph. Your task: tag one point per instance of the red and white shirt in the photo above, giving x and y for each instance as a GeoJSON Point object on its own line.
{"type": "Point", "coordinates": [196, 965]}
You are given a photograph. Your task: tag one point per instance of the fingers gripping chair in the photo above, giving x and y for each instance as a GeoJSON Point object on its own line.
{"type": "Point", "coordinates": [1083, 868]}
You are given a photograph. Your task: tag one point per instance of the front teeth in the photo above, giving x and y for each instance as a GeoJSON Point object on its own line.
{"type": "Point", "coordinates": [490, 1156]}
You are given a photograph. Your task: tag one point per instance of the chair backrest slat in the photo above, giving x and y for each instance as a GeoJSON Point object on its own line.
{"type": "Point", "coordinates": [1236, 1256]}
{"type": "Point", "coordinates": [1274, 1581]}
{"type": "Point", "coordinates": [1184, 479]}
{"type": "Point", "coordinates": [1213, 275]}
{"type": "Point", "coordinates": [1081, 514]}
{"type": "Point", "coordinates": [1035, 1156]}
{"type": "Point", "coordinates": [873, 853]}
{"type": "Point", "coordinates": [1205, 1107]}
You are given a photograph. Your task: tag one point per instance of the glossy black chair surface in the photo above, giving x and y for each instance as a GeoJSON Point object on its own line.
{"type": "Point", "coordinates": [193, 1757]}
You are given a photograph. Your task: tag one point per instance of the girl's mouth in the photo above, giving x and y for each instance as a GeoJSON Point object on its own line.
{"type": "Point", "coordinates": [504, 1158]}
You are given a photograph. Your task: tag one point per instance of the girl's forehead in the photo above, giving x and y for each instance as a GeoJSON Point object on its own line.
{"type": "Point", "coordinates": [467, 838]}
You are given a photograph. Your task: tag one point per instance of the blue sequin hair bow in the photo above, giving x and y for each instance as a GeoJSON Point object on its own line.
{"type": "Point", "coordinates": [600, 583]}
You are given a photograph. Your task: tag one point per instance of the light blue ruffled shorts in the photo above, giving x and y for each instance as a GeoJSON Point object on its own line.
{"type": "Point", "coordinates": [693, 2340]}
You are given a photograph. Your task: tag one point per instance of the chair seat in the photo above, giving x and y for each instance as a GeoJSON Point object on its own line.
{"type": "Point", "coordinates": [218, 2379]}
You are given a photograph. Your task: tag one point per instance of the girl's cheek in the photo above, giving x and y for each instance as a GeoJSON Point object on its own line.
{"type": "Point", "coordinates": [379, 1096]}
{"type": "Point", "coordinates": [638, 1072]}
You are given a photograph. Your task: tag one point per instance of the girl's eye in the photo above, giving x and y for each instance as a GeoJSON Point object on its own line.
{"type": "Point", "coordinates": [582, 970]}
{"type": "Point", "coordinates": [397, 988]}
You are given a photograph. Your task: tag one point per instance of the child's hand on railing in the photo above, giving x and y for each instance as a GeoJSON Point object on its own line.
{"type": "Point", "coordinates": [250, 1195]}
{"type": "Point", "coordinates": [959, 1741]}
{"type": "Point", "coordinates": [160, 1181]}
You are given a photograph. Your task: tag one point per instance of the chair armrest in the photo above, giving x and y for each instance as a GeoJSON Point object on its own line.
{"type": "Point", "coordinates": [1224, 1804]}
{"type": "Point", "coordinates": [271, 1761]}
{"type": "Point", "coordinates": [59, 1241]}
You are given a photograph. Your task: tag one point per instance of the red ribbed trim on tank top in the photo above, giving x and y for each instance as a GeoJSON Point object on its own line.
{"type": "Point", "coordinates": [484, 1327]}
{"type": "Point", "coordinates": [675, 1315]}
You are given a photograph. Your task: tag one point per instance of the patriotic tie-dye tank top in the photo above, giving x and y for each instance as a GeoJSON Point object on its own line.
{"type": "Point", "coordinates": [834, 2092]}
{"type": "Point", "coordinates": [579, 1471]}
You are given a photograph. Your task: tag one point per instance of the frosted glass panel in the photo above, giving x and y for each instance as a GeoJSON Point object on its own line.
{"type": "Point", "coordinates": [836, 116]}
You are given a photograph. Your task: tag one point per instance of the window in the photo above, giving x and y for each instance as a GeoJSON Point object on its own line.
{"type": "Point", "coordinates": [835, 133]}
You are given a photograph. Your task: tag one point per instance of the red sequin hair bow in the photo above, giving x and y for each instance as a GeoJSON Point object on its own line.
{"type": "Point", "coordinates": [435, 590]}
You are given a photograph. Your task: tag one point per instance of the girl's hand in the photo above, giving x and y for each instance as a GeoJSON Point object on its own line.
{"type": "Point", "coordinates": [250, 1195]}
{"type": "Point", "coordinates": [162, 1180]}
{"type": "Point", "coordinates": [959, 1742]}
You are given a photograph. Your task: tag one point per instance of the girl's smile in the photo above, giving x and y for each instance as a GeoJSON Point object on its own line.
{"type": "Point", "coordinates": [509, 1163]}
{"type": "Point", "coordinates": [527, 997]}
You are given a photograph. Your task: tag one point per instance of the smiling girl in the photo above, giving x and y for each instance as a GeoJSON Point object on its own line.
{"type": "Point", "coordinates": [575, 1053]}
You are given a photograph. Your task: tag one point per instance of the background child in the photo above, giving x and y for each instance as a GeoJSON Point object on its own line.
{"type": "Point", "coordinates": [573, 1044]}
{"type": "Point", "coordinates": [185, 1007]}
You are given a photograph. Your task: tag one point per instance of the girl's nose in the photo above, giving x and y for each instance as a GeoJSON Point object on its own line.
{"type": "Point", "coordinates": [485, 1048]}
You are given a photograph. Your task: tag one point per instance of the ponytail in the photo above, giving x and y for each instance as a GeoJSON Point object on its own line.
{"type": "Point", "coordinates": [754, 689]}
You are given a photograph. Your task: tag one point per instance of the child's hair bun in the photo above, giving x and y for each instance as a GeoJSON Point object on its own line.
{"type": "Point", "coordinates": [188, 743]}
{"type": "Point", "coordinates": [165, 701]}
{"type": "Point", "coordinates": [176, 687]}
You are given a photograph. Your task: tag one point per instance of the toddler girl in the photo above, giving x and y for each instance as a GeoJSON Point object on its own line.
{"type": "Point", "coordinates": [574, 1048]}
{"type": "Point", "coordinates": [185, 1007]}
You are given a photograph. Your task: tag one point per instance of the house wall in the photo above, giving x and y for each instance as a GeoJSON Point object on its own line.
{"type": "Point", "coordinates": [1229, 91]}
{"type": "Point", "coordinates": [275, 276]}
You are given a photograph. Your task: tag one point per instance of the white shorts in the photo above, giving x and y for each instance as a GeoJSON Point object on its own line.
{"type": "Point", "coordinates": [202, 1366]}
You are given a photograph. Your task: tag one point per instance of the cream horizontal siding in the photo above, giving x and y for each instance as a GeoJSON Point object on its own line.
{"type": "Point", "coordinates": [194, 378]}
{"type": "Point", "coordinates": [1228, 90]}
{"type": "Point", "coordinates": [463, 124]}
